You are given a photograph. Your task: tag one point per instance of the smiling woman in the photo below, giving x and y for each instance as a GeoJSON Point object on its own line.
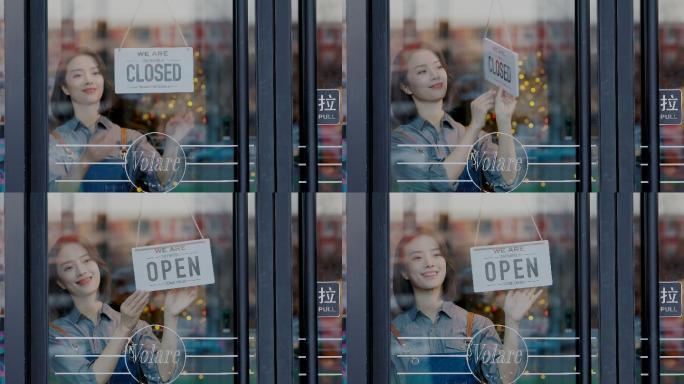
{"type": "Point", "coordinates": [86, 148]}
{"type": "Point", "coordinates": [432, 336]}
{"type": "Point", "coordinates": [89, 340]}
{"type": "Point", "coordinates": [430, 149]}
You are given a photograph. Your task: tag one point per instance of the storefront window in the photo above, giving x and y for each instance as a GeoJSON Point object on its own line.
{"type": "Point", "coordinates": [331, 101]}
{"type": "Point", "coordinates": [671, 27]}
{"type": "Point", "coordinates": [331, 275]}
{"type": "Point", "coordinates": [162, 69]}
{"type": "Point", "coordinates": [454, 257]}
{"type": "Point", "coordinates": [452, 62]}
{"type": "Point", "coordinates": [109, 317]}
{"type": "Point", "coordinates": [671, 278]}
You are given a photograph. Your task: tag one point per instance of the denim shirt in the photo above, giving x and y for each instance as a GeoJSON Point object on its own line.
{"type": "Point", "coordinates": [447, 337]}
{"type": "Point", "coordinates": [420, 168]}
{"type": "Point", "coordinates": [76, 355]}
{"type": "Point", "coordinates": [68, 143]}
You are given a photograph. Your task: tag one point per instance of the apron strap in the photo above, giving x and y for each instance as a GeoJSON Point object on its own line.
{"type": "Point", "coordinates": [124, 148]}
{"type": "Point", "coordinates": [59, 329]}
{"type": "Point", "coordinates": [469, 327]}
{"type": "Point", "coordinates": [397, 334]}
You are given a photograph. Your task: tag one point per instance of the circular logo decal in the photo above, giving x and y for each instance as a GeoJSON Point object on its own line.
{"type": "Point", "coordinates": [144, 349]}
{"type": "Point", "coordinates": [497, 162]}
{"type": "Point", "coordinates": [485, 349]}
{"type": "Point", "coordinates": [150, 171]}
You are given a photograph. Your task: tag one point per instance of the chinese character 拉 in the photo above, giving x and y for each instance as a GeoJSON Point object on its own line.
{"type": "Point", "coordinates": [668, 103]}
{"type": "Point", "coordinates": [326, 296]}
{"type": "Point", "coordinates": [326, 103]}
{"type": "Point", "coordinates": [669, 296]}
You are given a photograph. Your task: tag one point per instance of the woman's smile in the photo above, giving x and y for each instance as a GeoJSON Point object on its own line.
{"type": "Point", "coordinates": [430, 274]}
{"type": "Point", "coordinates": [439, 85]}
{"type": "Point", "coordinates": [90, 90]}
{"type": "Point", "coordinates": [84, 281]}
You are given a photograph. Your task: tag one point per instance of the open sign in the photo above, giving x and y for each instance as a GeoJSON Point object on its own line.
{"type": "Point", "coordinates": [173, 265]}
{"type": "Point", "coordinates": [511, 266]}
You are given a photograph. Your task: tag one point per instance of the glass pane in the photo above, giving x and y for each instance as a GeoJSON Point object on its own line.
{"type": "Point", "coordinates": [158, 68]}
{"type": "Point", "coordinates": [671, 27]}
{"type": "Point", "coordinates": [671, 276]}
{"type": "Point", "coordinates": [331, 100]}
{"type": "Point", "coordinates": [458, 254]}
{"type": "Point", "coordinates": [95, 280]}
{"type": "Point", "coordinates": [331, 276]}
{"type": "Point", "coordinates": [441, 137]}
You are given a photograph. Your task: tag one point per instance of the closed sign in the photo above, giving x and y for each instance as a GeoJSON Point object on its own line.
{"type": "Point", "coordinates": [173, 265]}
{"type": "Point", "coordinates": [153, 70]}
{"type": "Point", "coordinates": [511, 266]}
{"type": "Point", "coordinates": [501, 66]}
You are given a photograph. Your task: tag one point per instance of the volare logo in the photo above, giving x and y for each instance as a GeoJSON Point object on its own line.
{"type": "Point", "coordinates": [145, 349]}
{"type": "Point", "coordinates": [497, 162]}
{"type": "Point", "coordinates": [510, 359]}
{"type": "Point", "coordinates": [155, 162]}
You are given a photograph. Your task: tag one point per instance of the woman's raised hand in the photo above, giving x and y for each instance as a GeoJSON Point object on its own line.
{"type": "Point", "coordinates": [132, 308]}
{"type": "Point", "coordinates": [504, 107]}
{"type": "Point", "coordinates": [177, 300]}
{"type": "Point", "coordinates": [180, 125]}
{"type": "Point", "coordinates": [519, 302]}
{"type": "Point", "coordinates": [479, 108]}
{"type": "Point", "coordinates": [96, 152]}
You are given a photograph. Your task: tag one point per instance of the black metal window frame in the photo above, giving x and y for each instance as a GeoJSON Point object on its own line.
{"type": "Point", "coordinates": [367, 200]}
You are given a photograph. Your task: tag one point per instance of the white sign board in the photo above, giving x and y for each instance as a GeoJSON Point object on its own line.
{"type": "Point", "coordinates": [511, 266]}
{"type": "Point", "coordinates": [173, 265]}
{"type": "Point", "coordinates": [153, 70]}
{"type": "Point", "coordinates": [501, 66]}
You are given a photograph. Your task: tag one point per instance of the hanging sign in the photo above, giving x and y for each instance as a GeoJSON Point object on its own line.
{"type": "Point", "coordinates": [153, 70]}
{"type": "Point", "coordinates": [173, 265]}
{"type": "Point", "coordinates": [511, 266]}
{"type": "Point", "coordinates": [328, 298]}
{"type": "Point", "coordinates": [670, 294]}
{"type": "Point", "coordinates": [670, 106]}
{"type": "Point", "coordinates": [501, 66]}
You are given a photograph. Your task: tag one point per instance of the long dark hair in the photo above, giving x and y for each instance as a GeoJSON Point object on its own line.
{"type": "Point", "coordinates": [57, 294]}
{"type": "Point", "coordinates": [402, 288]}
{"type": "Point", "coordinates": [61, 107]}
{"type": "Point", "coordinates": [403, 107]}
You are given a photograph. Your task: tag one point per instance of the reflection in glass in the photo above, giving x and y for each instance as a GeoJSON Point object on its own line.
{"type": "Point", "coordinates": [433, 290]}
{"type": "Point", "coordinates": [94, 304]}
{"type": "Point", "coordinates": [541, 33]}
{"type": "Point", "coordinates": [200, 121]}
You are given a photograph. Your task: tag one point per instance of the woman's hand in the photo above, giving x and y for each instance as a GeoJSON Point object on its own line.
{"type": "Point", "coordinates": [479, 108]}
{"type": "Point", "coordinates": [132, 308]}
{"type": "Point", "coordinates": [180, 125]}
{"type": "Point", "coordinates": [519, 302]}
{"type": "Point", "coordinates": [177, 300]}
{"type": "Point", "coordinates": [504, 107]}
{"type": "Point", "coordinates": [95, 152]}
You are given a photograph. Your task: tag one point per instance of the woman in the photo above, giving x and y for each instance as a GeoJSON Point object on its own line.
{"type": "Point", "coordinates": [432, 334]}
{"type": "Point", "coordinates": [87, 345]}
{"type": "Point", "coordinates": [430, 151]}
{"type": "Point", "coordinates": [86, 151]}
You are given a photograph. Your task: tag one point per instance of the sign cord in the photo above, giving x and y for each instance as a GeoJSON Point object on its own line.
{"type": "Point", "coordinates": [527, 209]}
{"type": "Point", "coordinates": [507, 31]}
{"type": "Point", "coordinates": [173, 16]}
{"type": "Point", "coordinates": [187, 207]}
{"type": "Point", "coordinates": [194, 219]}
{"type": "Point", "coordinates": [140, 208]}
